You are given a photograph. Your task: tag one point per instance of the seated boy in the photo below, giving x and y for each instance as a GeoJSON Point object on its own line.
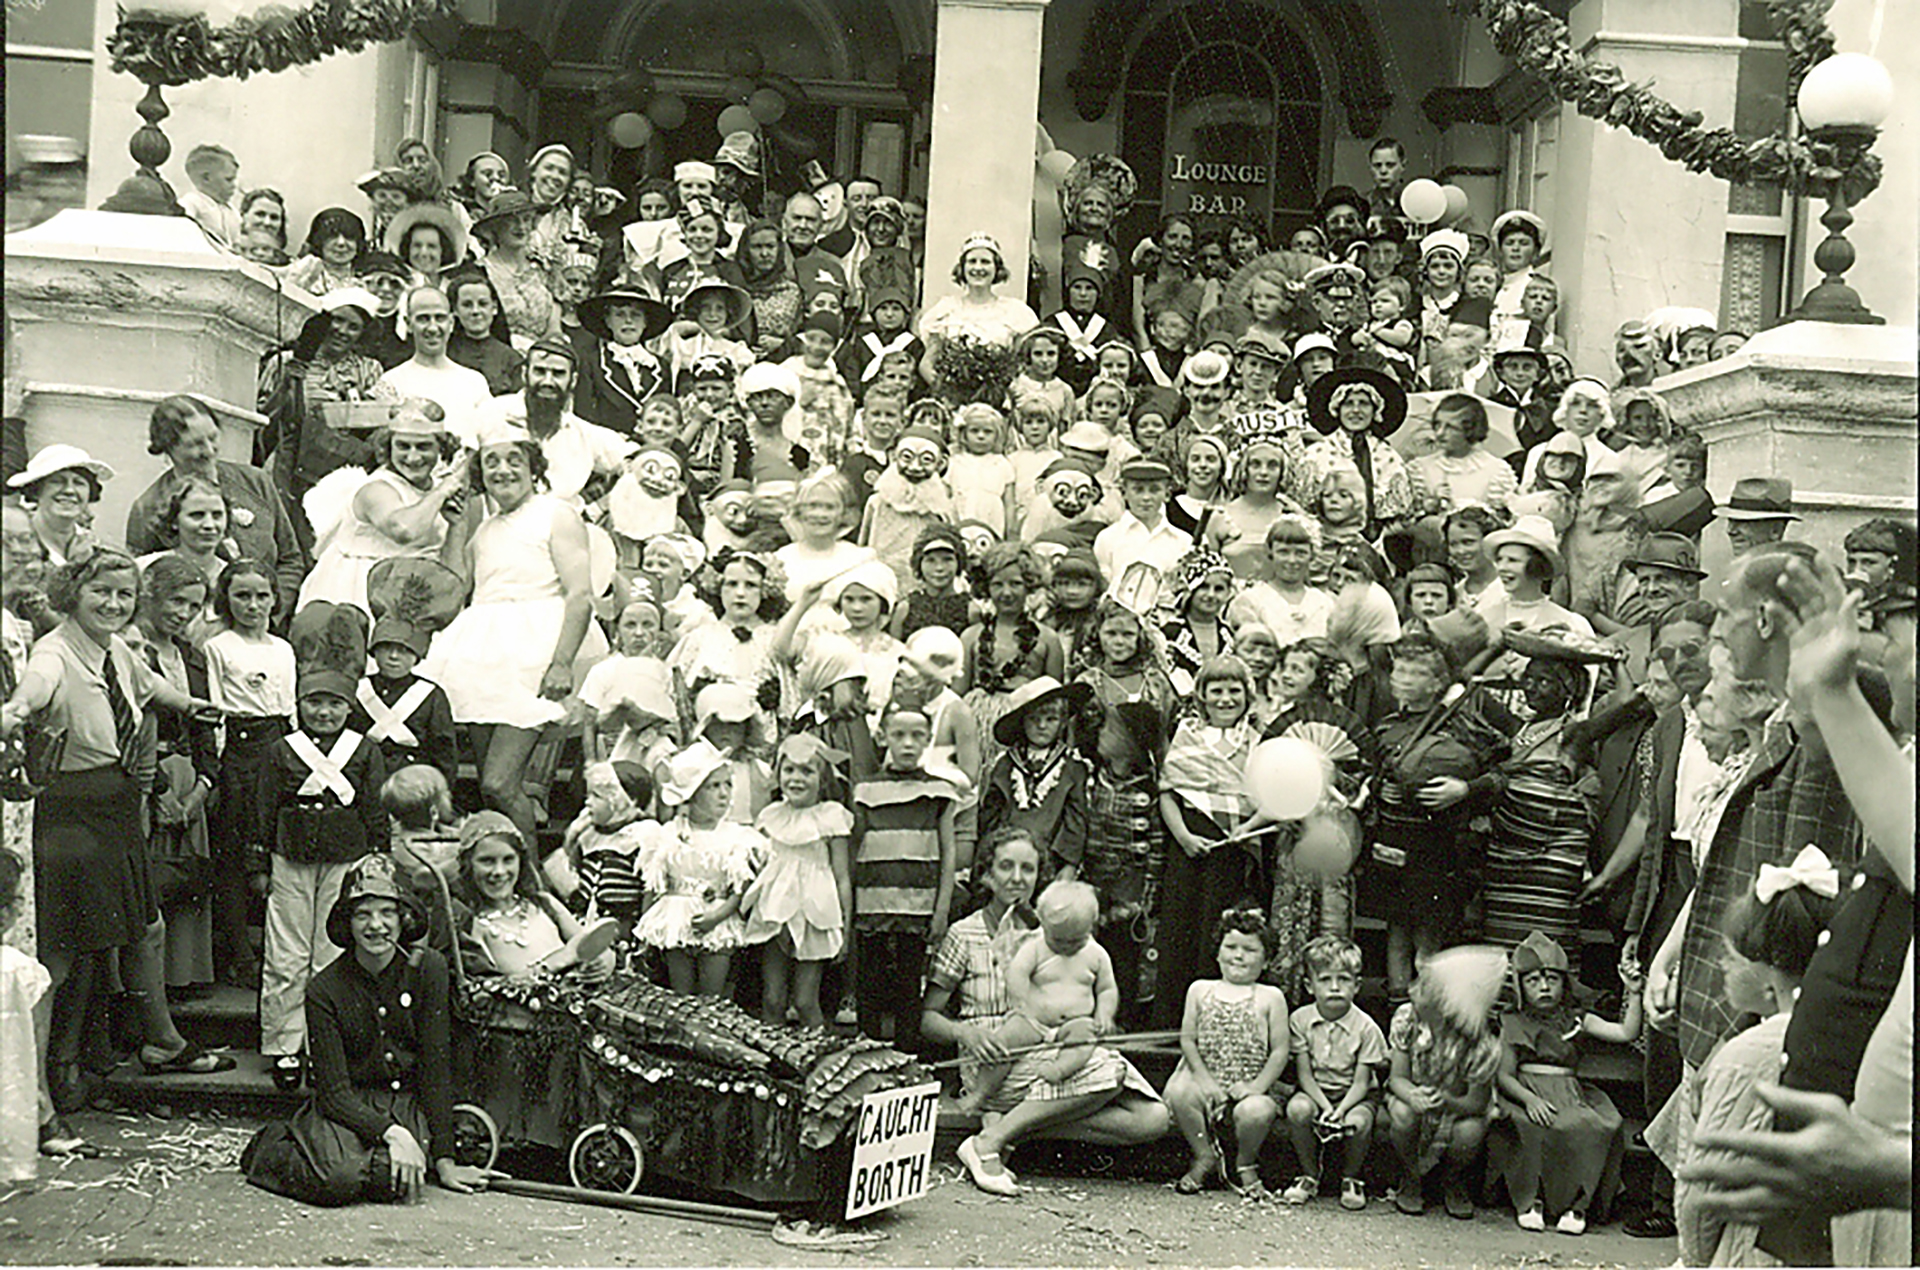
{"type": "Point", "coordinates": [424, 841]}
{"type": "Point", "coordinates": [1337, 1048]}
{"type": "Point", "coordinates": [1063, 991]}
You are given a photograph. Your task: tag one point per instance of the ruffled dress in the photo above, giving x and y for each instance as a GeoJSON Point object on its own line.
{"type": "Point", "coordinates": [796, 892]}
{"type": "Point", "coordinates": [688, 869]}
{"type": "Point", "coordinates": [492, 657]}
{"type": "Point", "coordinates": [349, 547]}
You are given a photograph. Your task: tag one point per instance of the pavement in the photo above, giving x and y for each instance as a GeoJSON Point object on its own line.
{"type": "Point", "coordinates": [167, 1192]}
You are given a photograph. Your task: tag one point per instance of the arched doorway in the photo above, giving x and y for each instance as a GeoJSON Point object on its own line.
{"type": "Point", "coordinates": [1223, 114]}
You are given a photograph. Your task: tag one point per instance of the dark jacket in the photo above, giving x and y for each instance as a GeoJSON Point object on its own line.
{"type": "Point", "coordinates": [319, 828]}
{"type": "Point", "coordinates": [436, 743]}
{"type": "Point", "coordinates": [380, 1033]}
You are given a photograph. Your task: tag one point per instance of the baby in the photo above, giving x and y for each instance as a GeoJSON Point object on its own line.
{"type": "Point", "coordinates": [1063, 991]}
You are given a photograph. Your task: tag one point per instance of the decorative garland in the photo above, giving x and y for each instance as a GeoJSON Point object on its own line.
{"type": "Point", "coordinates": [170, 50]}
{"type": "Point", "coordinates": [1538, 42]}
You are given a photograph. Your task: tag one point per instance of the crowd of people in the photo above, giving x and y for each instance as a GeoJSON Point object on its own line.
{"type": "Point", "coordinates": [917, 654]}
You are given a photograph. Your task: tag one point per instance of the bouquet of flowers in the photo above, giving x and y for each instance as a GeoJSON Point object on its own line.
{"type": "Point", "coordinates": [971, 369]}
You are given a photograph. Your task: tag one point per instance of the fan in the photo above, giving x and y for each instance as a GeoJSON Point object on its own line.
{"type": "Point", "coordinates": [1331, 739]}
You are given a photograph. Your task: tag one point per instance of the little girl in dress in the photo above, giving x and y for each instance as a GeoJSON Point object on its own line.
{"type": "Point", "coordinates": [697, 867]}
{"type": "Point", "coordinates": [981, 477]}
{"type": "Point", "coordinates": [797, 906]}
{"type": "Point", "coordinates": [1233, 1047]}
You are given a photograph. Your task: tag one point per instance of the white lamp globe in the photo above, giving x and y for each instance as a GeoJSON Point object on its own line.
{"type": "Point", "coordinates": [1846, 90]}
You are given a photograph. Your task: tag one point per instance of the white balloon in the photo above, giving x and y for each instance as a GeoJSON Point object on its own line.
{"type": "Point", "coordinates": [1286, 777]}
{"type": "Point", "coordinates": [1056, 164]}
{"type": "Point", "coordinates": [1423, 200]}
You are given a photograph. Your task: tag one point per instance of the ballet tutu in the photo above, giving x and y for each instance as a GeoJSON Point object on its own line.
{"type": "Point", "coordinates": [491, 659]}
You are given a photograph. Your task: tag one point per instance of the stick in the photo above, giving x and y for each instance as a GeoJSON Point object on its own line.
{"type": "Point", "coordinates": [1116, 1039]}
{"type": "Point", "coordinates": [751, 1218]}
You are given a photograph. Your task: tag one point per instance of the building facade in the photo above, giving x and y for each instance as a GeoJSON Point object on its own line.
{"type": "Point", "coordinates": [1247, 107]}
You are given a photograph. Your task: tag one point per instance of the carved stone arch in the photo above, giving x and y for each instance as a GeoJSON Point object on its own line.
{"type": "Point", "coordinates": [1340, 34]}
{"type": "Point", "coordinates": [622, 43]}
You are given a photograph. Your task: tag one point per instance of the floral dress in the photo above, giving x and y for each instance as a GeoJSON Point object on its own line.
{"type": "Point", "coordinates": [688, 869]}
{"type": "Point", "coordinates": [1449, 1060]}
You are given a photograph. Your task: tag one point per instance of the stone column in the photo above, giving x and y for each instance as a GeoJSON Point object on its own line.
{"type": "Point", "coordinates": [1831, 408]}
{"type": "Point", "coordinates": [1632, 230]}
{"type": "Point", "coordinates": [986, 100]}
{"type": "Point", "coordinates": [112, 312]}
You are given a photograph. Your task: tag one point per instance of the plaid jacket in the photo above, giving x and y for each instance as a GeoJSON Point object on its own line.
{"type": "Point", "coordinates": [1790, 797]}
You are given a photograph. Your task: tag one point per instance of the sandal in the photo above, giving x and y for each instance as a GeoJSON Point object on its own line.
{"type": "Point", "coordinates": [1195, 1179]}
{"type": "Point", "coordinates": [1247, 1184]}
{"type": "Point", "coordinates": [192, 1060]}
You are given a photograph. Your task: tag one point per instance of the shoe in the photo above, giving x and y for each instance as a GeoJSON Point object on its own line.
{"type": "Point", "coordinates": [1410, 1197]}
{"type": "Point", "coordinates": [847, 1015]}
{"type": "Point", "coordinates": [190, 1061]}
{"type": "Point", "coordinates": [992, 1183]}
{"type": "Point", "coordinates": [288, 1072]}
{"type": "Point", "coordinates": [1247, 1183]}
{"type": "Point", "coordinates": [1303, 1188]}
{"type": "Point", "coordinates": [1533, 1219]}
{"type": "Point", "coordinates": [1353, 1194]}
{"type": "Point", "coordinates": [801, 1233]}
{"type": "Point", "coordinates": [57, 1138]}
{"type": "Point", "coordinates": [1572, 1222]}
{"type": "Point", "coordinates": [1652, 1224]}
{"type": "Point", "coordinates": [1459, 1203]}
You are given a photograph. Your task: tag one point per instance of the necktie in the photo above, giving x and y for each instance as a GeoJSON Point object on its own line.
{"type": "Point", "coordinates": [1363, 459]}
{"type": "Point", "coordinates": [126, 728]}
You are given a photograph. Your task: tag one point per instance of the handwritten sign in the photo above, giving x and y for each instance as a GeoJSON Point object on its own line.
{"type": "Point", "coordinates": [892, 1149]}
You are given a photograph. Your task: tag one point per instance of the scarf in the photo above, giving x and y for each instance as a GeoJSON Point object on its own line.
{"type": "Point", "coordinates": [1206, 766]}
{"type": "Point", "coordinates": [880, 348]}
{"type": "Point", "coordinates": [1032, 777]}
{"type": "Point", "coordinates": [1084, 340]}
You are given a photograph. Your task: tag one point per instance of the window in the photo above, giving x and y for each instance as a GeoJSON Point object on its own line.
{"type": "Point", "coordinates": [1756, 274]}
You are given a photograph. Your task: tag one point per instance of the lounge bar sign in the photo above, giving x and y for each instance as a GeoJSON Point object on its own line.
{"type": "Point", "coordinates": [1216, 189]}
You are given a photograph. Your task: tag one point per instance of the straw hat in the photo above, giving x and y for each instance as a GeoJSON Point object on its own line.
{"type": "Point", "coordinates": [1011, 727]}
{"type": "Point", "coordinates": [1530, 531]}
{"type": "Point", "coordinates": [59, 457]}
{"type": "Point", "coordinates": [435, 214]}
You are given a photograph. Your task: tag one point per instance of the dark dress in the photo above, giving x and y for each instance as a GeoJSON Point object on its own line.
{"type": "Point", "coordinates": [380, 1057]}
{"type": "Point", "coordinates": [1573, 1163]}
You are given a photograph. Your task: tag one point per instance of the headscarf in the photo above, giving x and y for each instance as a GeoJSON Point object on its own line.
{"type": "Point", "coordinates": [762, 284]}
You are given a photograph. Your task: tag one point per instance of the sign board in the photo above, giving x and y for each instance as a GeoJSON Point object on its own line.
{"type": "Point", "coordinates": [892, 1149]}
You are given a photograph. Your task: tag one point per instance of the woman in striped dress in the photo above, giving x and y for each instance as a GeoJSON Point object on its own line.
{"type": "Point", "coordinates": [1542, 823]}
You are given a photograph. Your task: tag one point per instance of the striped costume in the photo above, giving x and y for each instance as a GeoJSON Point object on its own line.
{"type": "Point", "coordinates": [897, 865]}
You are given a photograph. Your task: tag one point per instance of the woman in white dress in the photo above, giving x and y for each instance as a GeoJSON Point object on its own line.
{"type": "Point", "coordinates": [400, 510]}
{"type": "Point", "coordinates": [976, 316]}
{"type": "Point", "coordinates": [510, 660]}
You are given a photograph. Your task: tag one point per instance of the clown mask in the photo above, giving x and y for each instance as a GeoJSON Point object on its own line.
{"type": "Point", "coordinates": [1072, 493]}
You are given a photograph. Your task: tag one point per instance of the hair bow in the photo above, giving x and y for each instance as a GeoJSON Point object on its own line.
{"type": "Point", "coordinates": [1810, 869]}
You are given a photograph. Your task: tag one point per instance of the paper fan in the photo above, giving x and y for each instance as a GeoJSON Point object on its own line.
{"type": "Point", "coordinates": [1331, 739]}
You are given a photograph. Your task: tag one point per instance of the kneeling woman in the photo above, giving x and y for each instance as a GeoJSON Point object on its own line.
{"type": "Point", "coordinates": [377, 1023]}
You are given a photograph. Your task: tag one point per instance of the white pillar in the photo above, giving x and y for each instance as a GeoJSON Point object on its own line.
{"type": "Point", "coordinates": [986, 105]}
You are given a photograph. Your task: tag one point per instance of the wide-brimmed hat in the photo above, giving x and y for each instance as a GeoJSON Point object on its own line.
{"type": "Point", "coordinates": [726, 701]}
{"type": "Point", "coordinates": [436, 214]}
{"type": "Point", "coordinates": [350, 298]}
{"type": "Point", "coordinates": [59, 457]}
{"type": "Point", "coordinates": [592, 311]}
{"type": "Point", "coordinates": [688, 770]}
{"type": "Point", "coordinates": [1521, 350]}
{"type": "Point", "coordinates": [1519, 218]}
{"type": "Point", "coordinates": [1759, 498]}
{"type": "Point", "coordinates": [423, 593]}
{"type": "Point", "coordinates": [372, 878]}
{"type": "Point", "coordinates": [508, 202]}
{"type": "Point", "coordinates": [1672, 552]}
{"type": "Point", "coordinates": [1393, 399]}
{"type": "Point", "coordinates": [830, 659]}
{"type": "Point", "coordinates": [382, 179]}
{"type": "Point", "coordinates": [1010, 728]}
{"type": "Point", "coordinates": [681, 297]}
{"type": "Point", "coordinates": [740, 150]}
{"type": "Point", "coordinates": [1529, 531]}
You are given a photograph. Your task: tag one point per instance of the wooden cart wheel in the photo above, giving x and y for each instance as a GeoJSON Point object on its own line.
{"type": "Point", "coordinates": [606, 1157]}
{"type": "Point", "coordinates": [476, 1138]}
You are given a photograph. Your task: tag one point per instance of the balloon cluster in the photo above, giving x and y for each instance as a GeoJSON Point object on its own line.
{"type": "Point", "coordinates": [1291, 779]}
{"type": "Point", "coordinates": [634, 111]}
{"type": "Point", "coordinates": [1428, 202]}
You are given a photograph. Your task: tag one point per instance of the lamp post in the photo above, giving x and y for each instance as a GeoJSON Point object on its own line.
{"type": "Point", "coordinates": [1842, 101]}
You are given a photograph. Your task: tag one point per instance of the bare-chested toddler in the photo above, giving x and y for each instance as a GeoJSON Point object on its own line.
{"type": "Point", "coordinates": [1062, 988]}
